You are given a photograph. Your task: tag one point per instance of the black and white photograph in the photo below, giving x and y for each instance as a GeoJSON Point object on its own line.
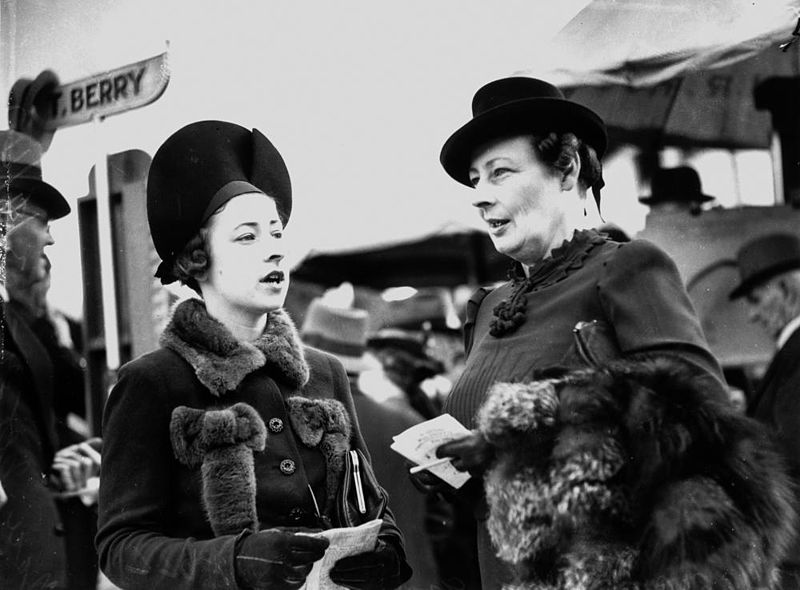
{"type": "Point", "coordinates": [452, 295]}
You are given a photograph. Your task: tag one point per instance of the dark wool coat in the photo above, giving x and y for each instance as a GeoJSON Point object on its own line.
{"type": "Point", "coordinates": [776, 403]}
{"type": "Point", "coordinates": [32, 552]}
{"type": "Point", "coordinates": [170, 505]}
{"type": "Point", "coordinates": [632, 476]}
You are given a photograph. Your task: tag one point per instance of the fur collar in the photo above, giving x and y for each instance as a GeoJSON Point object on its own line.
{"type": "Point", "coordinates": [220, 361]}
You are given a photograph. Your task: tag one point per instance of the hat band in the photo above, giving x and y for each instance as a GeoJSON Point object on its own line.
{"type": "Point", "coordinates": [13, 170]}
{"type": "Point", "coordinates": [232, 189]}
{"type": "Point", "coordinates": [327, 344]}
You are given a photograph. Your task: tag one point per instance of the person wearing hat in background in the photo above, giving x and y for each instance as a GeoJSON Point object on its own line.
{"type": "Point", "coordinates": [769, 268]}
{"type": "Point", "coordinates": [340, 329]}
{"type": "Point", "coordinates": [567, 362]}
{"type": "Point", "coordinates": [45, 537]}
{"type": "Point", "coordinates": [226, 443]}
{"type": "Point", "coordinates": [676, 189]}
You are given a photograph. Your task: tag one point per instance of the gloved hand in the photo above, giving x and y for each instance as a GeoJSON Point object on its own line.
{"type": "Point", "coordinates": [277, 558]}
{"type": "Point", "coordinates": [472, 453]}
{"type": "Point", "coordinates": [383, 568]}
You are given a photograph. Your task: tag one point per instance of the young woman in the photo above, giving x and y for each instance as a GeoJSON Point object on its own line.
{"type": "Point", "coordinates": [226, 443]}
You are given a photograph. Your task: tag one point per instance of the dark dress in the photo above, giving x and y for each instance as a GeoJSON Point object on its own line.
{"type": "Point", "coordinates": [634, 287]}
{"type": "Point", "coordinates": [154, 531]}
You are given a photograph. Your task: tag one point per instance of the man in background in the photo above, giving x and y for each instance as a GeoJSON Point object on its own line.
{"type": "Point", "coordinates": [769, 267]}
{"type": "Point", "coordinates": [42, 460]}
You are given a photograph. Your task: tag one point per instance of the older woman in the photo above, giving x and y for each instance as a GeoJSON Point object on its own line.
{"type": "Point", "coordinates": [564, 431]}
{"type": "Point", "coordinates": [228, 442]}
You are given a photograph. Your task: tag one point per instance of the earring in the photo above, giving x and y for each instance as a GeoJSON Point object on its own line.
{"type": "Point", "coordinates": [584, 210]}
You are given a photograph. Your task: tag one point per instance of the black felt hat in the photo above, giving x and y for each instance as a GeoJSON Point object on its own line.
{"type": "Point", "coordinates": [763, 258]}
{"type": "Point", "coordinates": [671, 185]}
{"type": "Point", "coordinates": [21, 173]}
{"type": "Point", "coordinates": [199, 168]}
{"type": "Point", "coordinates": [518, 105]}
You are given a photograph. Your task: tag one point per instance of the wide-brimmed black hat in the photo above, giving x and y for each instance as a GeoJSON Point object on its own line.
{"type": "Point", "coordinates": [199, 168]}
{"type": "Point", "coordinates": [516, 105]}
{"type": "Point", "coordinates": [676, 185]}
{"type": "Point", "coordinates": [765, 257]}
{"type": "Point", "coordinates": [21, 173]}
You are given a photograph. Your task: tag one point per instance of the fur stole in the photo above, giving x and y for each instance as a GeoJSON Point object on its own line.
{"type": "Point", "coordinates": [633, 476]}
{"type": "Point", "coordinates": [220, 361]}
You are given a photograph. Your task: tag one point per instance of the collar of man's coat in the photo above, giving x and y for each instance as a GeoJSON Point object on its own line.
{"type": "Point", "coordinates": [220, 361]}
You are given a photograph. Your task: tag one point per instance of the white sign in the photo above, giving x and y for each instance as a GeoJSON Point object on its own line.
{"type": "Point", "coordinates": [109, 93]}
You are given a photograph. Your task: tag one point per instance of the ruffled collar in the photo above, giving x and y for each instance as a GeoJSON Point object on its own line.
{"type": "Point", "coordinates": [562, 261]}
{"type": "Point", "coordinates": [220, 361]}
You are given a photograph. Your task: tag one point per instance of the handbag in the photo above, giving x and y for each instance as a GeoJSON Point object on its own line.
{"type": "Point", "coordinates": [595, 343]}
{"type": "Point", "coordinates": [360, 497]}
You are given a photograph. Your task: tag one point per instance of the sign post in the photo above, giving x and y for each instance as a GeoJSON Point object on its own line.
{"type": "Point", "coordinates": [93, 99]}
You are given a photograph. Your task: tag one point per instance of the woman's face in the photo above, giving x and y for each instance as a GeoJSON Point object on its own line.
{"type": "Point", "coordinates": [519, 197]}
{"type": "Point", "coordinates": [245, 277]}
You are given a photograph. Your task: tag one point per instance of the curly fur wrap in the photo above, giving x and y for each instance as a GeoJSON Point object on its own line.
{"type": "Point", "coordinates": [633, 476]}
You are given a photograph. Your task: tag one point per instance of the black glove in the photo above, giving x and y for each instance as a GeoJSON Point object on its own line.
{"type": "Point", "coordinates": [472, 453]}
{"type": "Point", "coordinates": [277, 558]}
{"type": "Point", "coordinates": [383, 568]}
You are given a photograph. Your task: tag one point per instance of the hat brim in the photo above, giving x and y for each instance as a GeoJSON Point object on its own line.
{"type": "Point", "coordinates": [354, 365]}
{"type": "Point", "coordinates": [529, 115]}
{"type": "Point", "coordinates": [753, 281]}
{"type": "Point", "coordinates": [650, 200]}
{"type": "Point", "coordinates": [45, 195]}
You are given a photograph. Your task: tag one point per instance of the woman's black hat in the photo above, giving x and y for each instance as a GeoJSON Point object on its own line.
{"type": "Point", "coordinates": [199, 168]}
{"type": "Point", "coordinates": [517, 105]}
{"type": "Point", "coordinates": [676, 185]}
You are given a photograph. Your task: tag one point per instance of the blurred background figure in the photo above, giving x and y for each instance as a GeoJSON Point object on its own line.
{"type": "Point", "coordinates": [676, 189]}
{"type": "Point", "coordinates": [46, 464]}
{"type": "Point", "coordinates": [769, 268]}
{"type": "Point", "coordinates": [406, 363]}
{"type": "Point", "coordinates": [331, 324]}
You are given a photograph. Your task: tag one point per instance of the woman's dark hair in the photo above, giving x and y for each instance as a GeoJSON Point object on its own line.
{"type": "Point", "coordinates": [192, 262]}
{"type": "Point", "coordinates": [558, 150]}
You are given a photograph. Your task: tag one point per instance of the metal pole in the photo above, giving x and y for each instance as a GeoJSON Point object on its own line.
{"type": "Point", "coordinates": [105, 244]}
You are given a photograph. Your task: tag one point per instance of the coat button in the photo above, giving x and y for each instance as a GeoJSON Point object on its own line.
{"type": "Point", "coordinates": [275, 424]}
{"type": "Point", "coordinates": [296, 514]}
{"type": "Point", "coordinates": [287, 467]}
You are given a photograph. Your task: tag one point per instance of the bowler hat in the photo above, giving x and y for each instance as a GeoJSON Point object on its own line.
{"type": "Point", "coordinates": [21, 173]}
{"type": "Point", "coordinates": [201, 167]}
{"type": "Point", "coordinates": [765, 257]}
{"type": "Point", "coordinates": [341, 332]}
{"type": "Point", "coordinates": [670, 185]}
{"type": "Point", "coordinates": [518, 105]}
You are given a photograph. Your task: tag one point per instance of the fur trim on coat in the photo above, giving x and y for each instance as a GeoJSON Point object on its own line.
{"type": "Point", "coordinates": [220, 361]}
{"type": "Point", "coordinates": [633, 476]}
{"type": "Point", "coordinates": [323, 423]}
{"type": "Point", "coordinates": [222, 441]}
